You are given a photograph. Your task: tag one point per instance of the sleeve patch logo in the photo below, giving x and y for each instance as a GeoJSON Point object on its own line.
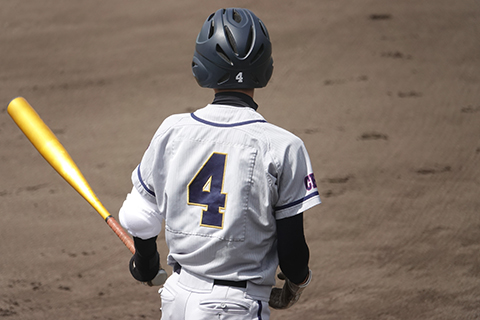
{"type": "Point", "coordinates": [310, 182]}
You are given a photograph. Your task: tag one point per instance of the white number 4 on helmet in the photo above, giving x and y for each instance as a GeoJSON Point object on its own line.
{"type": "Point", "coordinates": [239, 77]}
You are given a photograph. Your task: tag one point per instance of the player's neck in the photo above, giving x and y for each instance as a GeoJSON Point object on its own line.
{"type": "Point", "coordinates": [248, 92]}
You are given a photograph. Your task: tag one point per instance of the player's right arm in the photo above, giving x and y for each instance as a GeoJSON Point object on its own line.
{"type": "Point", "coordinates": [142, 220]}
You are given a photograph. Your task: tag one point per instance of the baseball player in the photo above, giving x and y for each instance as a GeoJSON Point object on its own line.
{"type": "Point", "coordinates": [229, 187]}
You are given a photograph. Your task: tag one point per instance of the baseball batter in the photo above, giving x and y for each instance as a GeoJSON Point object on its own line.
{"type": "Point", "coordinates": [229, 188]}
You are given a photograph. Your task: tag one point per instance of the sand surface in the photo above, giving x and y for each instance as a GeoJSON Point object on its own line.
{"type": "Point", "coordinates": [385, 95]}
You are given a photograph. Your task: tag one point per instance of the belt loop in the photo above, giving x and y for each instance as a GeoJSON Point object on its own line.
{"type": "Point", "coordinates": [194, 282]}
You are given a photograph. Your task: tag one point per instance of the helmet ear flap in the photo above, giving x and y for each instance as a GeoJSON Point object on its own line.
{"type": "Point", "coordinates": [199, 71]}
{"type": "Point", "coordinates": [205, 78]}
{"type": "Point", "coordinates": [269, 71]}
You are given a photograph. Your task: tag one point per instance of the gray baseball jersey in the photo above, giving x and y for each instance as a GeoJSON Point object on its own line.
{"type": "Point", "coordinates": [219, 178]}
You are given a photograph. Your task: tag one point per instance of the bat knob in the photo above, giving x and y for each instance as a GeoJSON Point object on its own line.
{"type": "Point", "coordinates": [159, 279]}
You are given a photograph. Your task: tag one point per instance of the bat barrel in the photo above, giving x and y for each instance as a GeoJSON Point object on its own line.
{"type": "Point", "coordinates": [48, 145]}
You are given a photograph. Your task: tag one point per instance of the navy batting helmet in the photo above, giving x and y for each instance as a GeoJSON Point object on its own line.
{"type": "Point", "coordinates": [233, 51]}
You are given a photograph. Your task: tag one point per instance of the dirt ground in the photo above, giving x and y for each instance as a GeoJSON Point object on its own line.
{"type": "Point", "coordinates": [385, 94]}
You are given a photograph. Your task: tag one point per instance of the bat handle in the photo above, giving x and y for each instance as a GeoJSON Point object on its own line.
{"type": "Point", "coordinates": [121, 233]}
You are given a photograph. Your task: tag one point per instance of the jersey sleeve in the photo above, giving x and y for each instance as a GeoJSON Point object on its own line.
{"type": "Point", "coordinates": [142, 176]}
{"type": "Point", "coordinates": [296, 186]}
{"type": "Point", "coordinates": [140, 217]}
{"type": "Point", "coordinates": [148, 172]}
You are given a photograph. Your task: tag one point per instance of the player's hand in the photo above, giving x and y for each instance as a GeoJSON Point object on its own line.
{"type": "Point", "coordinates": [288, 295]}
{"type": "Point", "coordinates": [147, 270]}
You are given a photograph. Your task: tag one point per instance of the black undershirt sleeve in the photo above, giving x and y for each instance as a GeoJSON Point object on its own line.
{"type": "Point", "coordinates": [293, 252]}
{"type": "Point", "coordinates": [145, 263]}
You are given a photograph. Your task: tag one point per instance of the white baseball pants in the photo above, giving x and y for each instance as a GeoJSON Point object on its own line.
{"type": "Point", "coordinates": [187, 296]}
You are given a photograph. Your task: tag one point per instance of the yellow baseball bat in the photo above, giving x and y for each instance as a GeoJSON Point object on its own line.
{"type": "Point", "coordinates": [47, 144]}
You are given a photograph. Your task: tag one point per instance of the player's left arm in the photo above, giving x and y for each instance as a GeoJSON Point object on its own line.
{"type": "Point", "coordinates": [292, 248]}
{"type": "Point", "coordinates": [293, 254]}
{"type": "Point", "coordinates": [297, 192]}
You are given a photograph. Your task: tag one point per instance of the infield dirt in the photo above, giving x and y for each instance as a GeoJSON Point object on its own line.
{"type": "Point", "coordinates": [385, 95]}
